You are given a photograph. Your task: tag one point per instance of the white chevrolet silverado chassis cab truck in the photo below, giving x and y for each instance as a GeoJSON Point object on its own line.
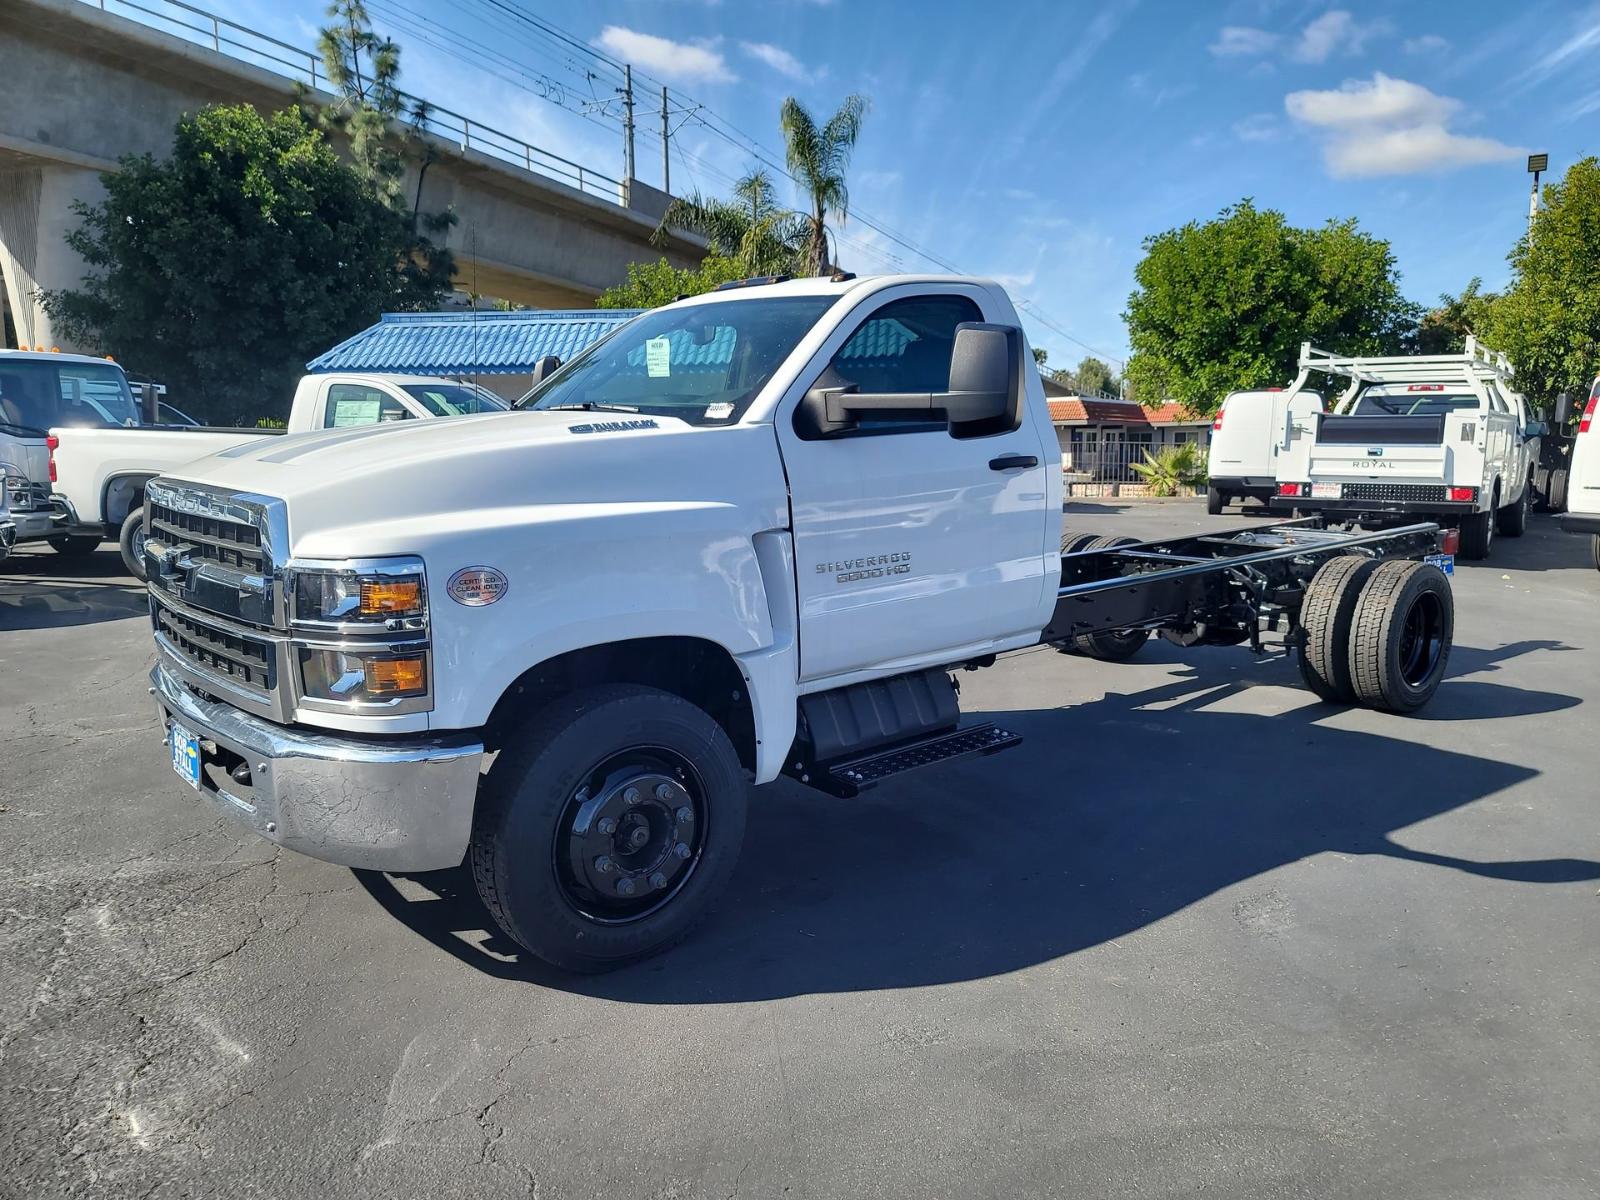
{"type": "Point", "coordinates": [746, 535]}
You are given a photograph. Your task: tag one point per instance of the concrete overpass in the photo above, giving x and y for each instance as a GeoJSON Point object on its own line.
{"type": "Point", "coordinates": [80, 87]}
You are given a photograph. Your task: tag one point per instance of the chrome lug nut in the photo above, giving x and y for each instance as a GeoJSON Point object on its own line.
{"type": "Point", "coordinates": [625, 887]}
{"type": "Point", "coordinates": [631, 796]}
{"type": "Point", "coordinates": [608, 825]}
{"type": "Point", "coordinates": [603, 863]}
{"type": "Point", "coordinates": [681, 850]}
{"type": "Point", "coordinates": [684, 815]}
{"type": "Point", "coordinates": [663, 792]}
{"type": "Point", "coordinates": [658, 880]}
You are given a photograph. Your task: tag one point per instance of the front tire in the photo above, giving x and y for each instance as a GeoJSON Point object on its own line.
{"type": "Point", "coordinates": [1401, 637]}
{"type": "Point", "coordinates": [131, 543]}
{"type": "Point", "coordinates": [610, 826]}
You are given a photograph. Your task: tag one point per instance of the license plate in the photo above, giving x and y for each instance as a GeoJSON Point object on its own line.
{"type": "Point", "coordinates": [1445, 562]}
{"type": "Point", "coordinates": [1326, 491]}
{"type": "Point", "coordinates": [186, 755]}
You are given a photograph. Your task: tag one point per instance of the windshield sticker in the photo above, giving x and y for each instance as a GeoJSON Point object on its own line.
{"type": "Point", "coordinates": [658, 357]}
{"type": "Point", "coordinates": [719, 412]}
{"type": "Point", "coordinates": [355, 412]}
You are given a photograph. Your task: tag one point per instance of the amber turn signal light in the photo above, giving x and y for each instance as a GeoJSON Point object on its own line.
{"type": "Point", "coordinates": [396, 676]}
{"type": "Point", "coordinates": [391, 597]}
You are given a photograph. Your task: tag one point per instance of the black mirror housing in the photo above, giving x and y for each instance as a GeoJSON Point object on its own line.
{"type": "Point", "coordinates": [1563, 412]}
{"type": "Point", "coordinates": [544, 368]}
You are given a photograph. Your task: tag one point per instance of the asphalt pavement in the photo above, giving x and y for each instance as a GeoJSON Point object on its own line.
{"type": "Point", "coordinates": [1199, 936]}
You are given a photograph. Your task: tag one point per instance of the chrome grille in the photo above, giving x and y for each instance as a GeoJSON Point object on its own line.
{"type": "Point", "coordinates": [1395, 492]}
{"type": "Point", "coordinates": [209, 537]}
{"type": "Point", "coordinates": [245, 661]}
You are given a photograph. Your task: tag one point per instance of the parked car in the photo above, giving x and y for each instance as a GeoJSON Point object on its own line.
{"type": "Point", "coordinates": [721, 545]}
{"type": "Point", "coordinates": [1443, 437]}
{"type": "Point", "coordinates": [102, 451]}
{"type": "Point", "coordinates": [1249, 432]}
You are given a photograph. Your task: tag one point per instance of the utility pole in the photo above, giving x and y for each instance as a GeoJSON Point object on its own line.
{"type": "Point", "coordinates": [627, 123]}
{"type": "Point", "coordinates": [1537, 163]}
{"type": "Point", "coordinates": [666, 157]}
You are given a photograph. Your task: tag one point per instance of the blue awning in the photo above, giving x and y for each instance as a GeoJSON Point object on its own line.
{"type": "Point", "coordinates": [468, 343]}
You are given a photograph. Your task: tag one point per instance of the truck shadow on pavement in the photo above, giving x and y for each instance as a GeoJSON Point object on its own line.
{"type": "Point", "coordinates": [1114, 814]}
{"type": "Point", "coordinates": [44, 590]}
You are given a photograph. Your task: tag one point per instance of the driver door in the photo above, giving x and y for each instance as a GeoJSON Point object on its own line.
{"type": "Point", "coordinates": [913, 546]}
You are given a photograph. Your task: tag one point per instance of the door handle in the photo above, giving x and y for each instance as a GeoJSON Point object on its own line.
{"type": "Point", "coordinates": [1013, 462]}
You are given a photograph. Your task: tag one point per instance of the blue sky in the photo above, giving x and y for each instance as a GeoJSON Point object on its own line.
{"type": "Point", "coordinates": [1041, 142]}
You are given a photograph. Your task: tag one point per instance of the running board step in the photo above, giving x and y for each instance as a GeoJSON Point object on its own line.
{"type": "Point", "coordinates": [855, 775]}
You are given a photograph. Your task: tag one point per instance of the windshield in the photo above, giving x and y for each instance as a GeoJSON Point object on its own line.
{"type": "Point", "coordinates": [1383, 402]}
{"type": "Point", "coordinates": [41, 394]}
{"type": "Point", "coordinates": [703, 363]}
{"type": "Point", "coordinates": [455, 399]}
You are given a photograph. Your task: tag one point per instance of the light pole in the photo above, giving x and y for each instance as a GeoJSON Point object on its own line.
{"type": "Point", "coordinates": [1537, 163]}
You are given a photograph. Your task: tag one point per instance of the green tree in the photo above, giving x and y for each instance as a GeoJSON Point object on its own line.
{"type": "Point", "coordinates": [753, 228]}
{"type": "Point", "coordinates": [1444, 329]}
{"type": "Point", "coordinates": [223, 268]}
{"type": "Point", "coordinates": [1040, 356]}
{"type": "Point", "coordinates": [1095, 377]}
{"type": "Point", "coordinates": [1224, 305]}
{"type": "Point", "coordinates": [1548, 320]}
{"type": "Point", "coordinates": [819, 158]}
{"type": "Point", "coordinates": [652, 284]}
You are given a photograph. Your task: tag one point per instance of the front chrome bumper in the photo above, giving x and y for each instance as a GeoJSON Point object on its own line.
{"type": "Point", "coordinates": [388, 805]}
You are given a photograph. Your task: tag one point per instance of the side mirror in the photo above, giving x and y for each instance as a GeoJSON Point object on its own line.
{"type": "Point", "coordinates": [983, 386]}
{"type": "Point", "coordinates": [544, 368]}
{"type": "Point", "coordinates": [1563, 412]}
{"type": "Point", "coordinates": [1536, 429]}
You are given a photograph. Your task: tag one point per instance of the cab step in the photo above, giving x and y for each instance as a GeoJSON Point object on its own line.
{"type": "Point", "coordinates": [852, 776]}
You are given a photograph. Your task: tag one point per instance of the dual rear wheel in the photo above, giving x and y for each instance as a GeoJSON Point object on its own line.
{"type": "Point", "coordinates": [1376, 633]}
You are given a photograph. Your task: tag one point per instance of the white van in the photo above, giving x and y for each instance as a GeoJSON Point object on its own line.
{"type": "Point", "coordinates": [1583, 480]}
{"type": "Point", "coordinates": [1249, 431]}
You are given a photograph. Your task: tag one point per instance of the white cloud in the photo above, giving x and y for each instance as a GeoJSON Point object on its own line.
{"type": "Point", "coordinates": [680, 62]}
{"type": "Point", "coordinates": [779, 59]}
{"type": "Point", "coordinates": [1428, 43]}
{"type": "Point", "coordinates": [1241, 41]}
{"type": "Point", "coordinates": [1258, 127]}
{"type": "Point", "coordinates": [1579, 45]}
{"type": "Point", "coordinates": [1386, 126]}
{"type": "Point", "coordinates": [1334, 32]}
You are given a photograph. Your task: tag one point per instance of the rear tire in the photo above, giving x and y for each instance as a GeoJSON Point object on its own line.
{"type": "Point", "coordinates": [540, 832]}
{"type": "Point", "coordinates": [1477, 535]}
{"type": "Point", "coordinates": [1512, 520]}
{"type": "Point", "coordinates": [1326, 615]}
{"type": "Point", "coordinates": [1400, 641]}
{"type": "Point", "coordinates": [131, 543]}
{"type": "Point", "coordinates": [74, 547]}
{"type": "Point", "coordinates": [1596, 548]}
{"type": "Point", "coordinates": [1556, 491]}
{"type": "Point", "coordinates": [1215, 501]}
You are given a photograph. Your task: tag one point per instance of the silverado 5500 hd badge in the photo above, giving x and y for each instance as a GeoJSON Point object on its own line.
{"type": "Point", "coordinates": [873, 566]}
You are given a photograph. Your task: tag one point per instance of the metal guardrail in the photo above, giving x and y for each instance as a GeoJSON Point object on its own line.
{"type": "Point", "coordinates": [246, 45]}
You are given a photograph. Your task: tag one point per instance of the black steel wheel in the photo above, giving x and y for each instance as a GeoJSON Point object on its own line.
{"type": "Point", "coordinates": [608, 826]}
{"type": "Point", "coordinates": [1401, 637]}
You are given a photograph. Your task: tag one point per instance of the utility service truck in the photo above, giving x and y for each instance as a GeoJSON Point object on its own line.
{"type": "Point", "coordinates": [1444, 437]}
{"type": "Point", "coordinates": [747, 535]}
{"type": "Point", "coordinates": [94, 441]}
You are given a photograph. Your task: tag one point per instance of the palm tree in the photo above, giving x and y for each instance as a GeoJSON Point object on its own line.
{"type": "Point", "coordinates": [818, 159]}
{"type": "Point", "coordinates": [753, 228]}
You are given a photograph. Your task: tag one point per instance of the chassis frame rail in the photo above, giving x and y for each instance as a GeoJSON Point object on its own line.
{"type": "Point", "coordinates": [1214, 588]}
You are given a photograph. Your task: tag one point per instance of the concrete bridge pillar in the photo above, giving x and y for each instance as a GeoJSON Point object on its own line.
{"type": "Point", "coordinates": [35, 215]}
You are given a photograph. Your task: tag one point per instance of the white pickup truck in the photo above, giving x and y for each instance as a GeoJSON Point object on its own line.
{"type": "Point", "coordinates": [1438, 436]}
{"type": "Point", "coordinates": [747, 535]}
{"type": "Point", "coordinates": [92, 449]}
{"type": "Point", "coordinates": [1583, 482]}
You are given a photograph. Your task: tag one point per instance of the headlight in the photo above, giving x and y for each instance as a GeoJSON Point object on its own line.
{"type": "Point", "coordinates": [358, 677]}
{"type": "Point", "coordinates": [386, 593]}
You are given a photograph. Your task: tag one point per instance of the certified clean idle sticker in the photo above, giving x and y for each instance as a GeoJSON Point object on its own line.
{"type": "Point", "coordinates": [477, 586]}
